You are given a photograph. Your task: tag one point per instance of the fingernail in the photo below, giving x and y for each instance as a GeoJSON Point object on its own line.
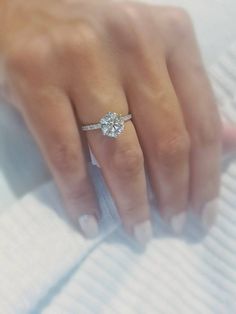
{"type": "Point", "coordinates": [143, 232]}
{"type": "Point", "coordinates": [89, 225]}
{"type": "Point", "coordinates": [178, 221]}
{"type": "Point", "coordinates": [209, 213]}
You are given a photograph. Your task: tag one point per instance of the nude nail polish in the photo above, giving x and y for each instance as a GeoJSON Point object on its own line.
{"type": "Point", "coordinates": [143, 232]}
{"type": "Point", "coordinates": [209, 213]}
{"type": "Point", "coordinates": [89, 225]}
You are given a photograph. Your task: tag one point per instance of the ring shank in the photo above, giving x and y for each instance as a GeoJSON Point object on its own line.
{"type": "Point", "coordinates": [91, 127]}
{"type": "Point", "coordinates": [97, 126]}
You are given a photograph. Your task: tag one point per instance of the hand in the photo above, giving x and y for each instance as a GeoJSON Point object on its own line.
{"type": "Point", "coordinates": [68, 63]}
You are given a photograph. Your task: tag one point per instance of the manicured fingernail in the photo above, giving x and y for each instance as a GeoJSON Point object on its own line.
{"type": "Point", "coordinates": [178, 221]}
{"type": "Point", "coordinates": [89, 225]}
{"type": "Point", "coordinates": [143, 232]}
{"type": "Point", "coordinates": [209, 213]}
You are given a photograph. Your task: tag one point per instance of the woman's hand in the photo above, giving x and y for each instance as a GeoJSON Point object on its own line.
{"type": "Point", "coordinates": [68, 63]}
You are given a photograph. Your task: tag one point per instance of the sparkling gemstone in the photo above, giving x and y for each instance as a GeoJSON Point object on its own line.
{"type": "Point", "coordinates": [112, 124]}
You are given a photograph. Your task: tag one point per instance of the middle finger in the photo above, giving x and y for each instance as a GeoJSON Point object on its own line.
{"type": "Point", "coordinates": [163, 136]}
{"type": "Point", "coordinates": [96, 92]}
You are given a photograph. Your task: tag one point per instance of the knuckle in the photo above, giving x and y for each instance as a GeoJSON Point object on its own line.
{"type": "Point", "coordinates": [133, 212]}
{"type": "Point", "coordinates": [129, 9]}
{"type": "Point", "coordinates": [79, 192]}
{"type": "Point", "coordinates": [198, 68]}
{"type": "Point", "coordinates": [208, 134]}
{"type": "Point", "coordinates": [128, 162]}
{"type": "Point", "coordinates": [83, 41]}
{"type": "Point", "coordinates": [29, 58]}
{"type": "Point", "coordinates": [130, 13]}
{"type": "Point", "coordinates": [129, 211]}
{"type": "Point", "coordinates": [124, 27]}
{"type": "Point", "coordinates": [174, 150]}
{"type": "Point", "coordinates": [65, 158]}
{"type": "Point", "coordinates": [71, 177]}
{"type": "Point", "coordinates": [179, 22]}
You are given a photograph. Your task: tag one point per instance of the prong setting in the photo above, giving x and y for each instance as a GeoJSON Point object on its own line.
{"type": "Point", "coordinates": [111, 124]}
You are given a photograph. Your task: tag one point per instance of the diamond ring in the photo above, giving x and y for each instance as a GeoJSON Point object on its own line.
{"type": "Point", "coordinates": [112, 124]}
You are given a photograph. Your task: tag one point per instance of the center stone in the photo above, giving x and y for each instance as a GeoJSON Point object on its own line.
{"type": "Point", "coordinates": [112, 124]}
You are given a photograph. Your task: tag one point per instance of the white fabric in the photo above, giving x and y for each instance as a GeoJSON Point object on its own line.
{"type": "Point", "coordinates": [47, 267]}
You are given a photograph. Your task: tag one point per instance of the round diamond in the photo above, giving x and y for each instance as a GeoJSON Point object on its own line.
{"type": "Point", "coordinates": [112, 124]}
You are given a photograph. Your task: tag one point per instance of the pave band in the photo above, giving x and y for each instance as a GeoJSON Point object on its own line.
{"type": "Point", "coordinates": [112, 124]}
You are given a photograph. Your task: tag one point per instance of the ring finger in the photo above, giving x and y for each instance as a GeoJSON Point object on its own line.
{"type": "Point", "coordinates": [120, 159]}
